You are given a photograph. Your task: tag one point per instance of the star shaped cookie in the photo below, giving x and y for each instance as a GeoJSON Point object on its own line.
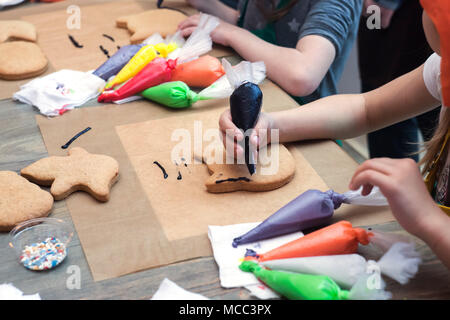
{"type": "Point", "coordinates": [79, 171]}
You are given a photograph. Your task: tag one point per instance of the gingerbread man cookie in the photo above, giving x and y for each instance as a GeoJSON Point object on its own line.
{"type": "Point", "coordinates": [80, 170]}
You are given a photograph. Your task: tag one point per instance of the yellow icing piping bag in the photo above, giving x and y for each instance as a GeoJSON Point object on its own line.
{"type": "Point", "coordinates": [140, 60]}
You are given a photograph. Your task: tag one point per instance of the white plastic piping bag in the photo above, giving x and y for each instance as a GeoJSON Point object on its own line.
{"type": "Point", "coordinates": [400, 263]}
{"type": "Point", "coordinates": [199, 42]}
{"type": "Point", "coordinates": [222, 88]}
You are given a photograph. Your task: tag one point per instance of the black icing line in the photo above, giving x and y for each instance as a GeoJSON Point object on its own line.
{"type": "Point", "coordinates": [162, 169]}
{"type": "Point", "coordinates": [75, 137]}
{"type": "Point", "coordinates": [109, 37]}
{"type": "Point", "coordinates": [234, 180]}
{"type": "Point", "coordinates": [75, 42]}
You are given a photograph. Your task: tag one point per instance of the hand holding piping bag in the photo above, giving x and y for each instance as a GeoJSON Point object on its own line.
{"type": "Point", "coordinates": [160, 70]}
{"type": "Point", "coordinates": [400, 263]}
{"type": "Point", "coordinates": [338, 238]}
{"type": "Point", "coordinates": [312, 208]}
{"type": "Point", "coordinates": [177, 94]}
{"type": "Point", "coordinates": [298, 286]}
{"type": "Point", "coordinates": [245, 107]}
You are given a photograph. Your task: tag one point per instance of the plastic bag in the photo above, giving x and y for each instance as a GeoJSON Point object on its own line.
{"type": "Point", "coordinates": [312, 208]}
{"type": "Point", "coordinates": [299, 286]}
{"type": "Point", "coordinates": [400, 263]}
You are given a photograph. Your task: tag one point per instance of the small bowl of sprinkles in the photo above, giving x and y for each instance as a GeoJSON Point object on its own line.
{"type": "Point", "coordinates": [41, 244]}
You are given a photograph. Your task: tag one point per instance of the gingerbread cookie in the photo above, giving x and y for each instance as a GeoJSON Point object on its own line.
{"type": "Point", "coordinates": [144, 24]}
{"type": "Point", "coordinates": [21, 60]}
{"type": "Point", "coordinates": [21, 200]}
{"type": "Point", "coordinates": [80, 170]}
{"type": "Point", "coordinates": [17, 30]}
{"type": "Point", "coordinates": [275, 167]}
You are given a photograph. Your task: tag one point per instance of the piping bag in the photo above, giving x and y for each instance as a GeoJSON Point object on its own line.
{"type": "Point", "coordinates": [245, 107]}
{"type": "Point", "coordinates": [177, 94]}
{"type": "Point", "coordinates": [145, 54]}
{"type": "Point", "coordinates": [201, 72]}
{"type": "Point", "coordinates": [338, 238]}
{"type": "Point", "coordinates": [298, 286]}
{"type": "Point", "coordinates": [117, 61]}
{"type": "Point", "coordinates": [159, 70]}
{"type": "Point", "coordinates": [312, 208]}
{"type": "Point", "coordinates": [400, 263]}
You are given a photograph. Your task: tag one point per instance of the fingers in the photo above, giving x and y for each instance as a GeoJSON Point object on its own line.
{"type": "Point", "coordinates": [186, 32]}
{"type": "Point", "coordinates": [371, 172]}
{"type": "Point", "coordinates": [190, 22]}
{"type": "Point", "coordinates": [368, 179]}
{"type": "Point", "coordinates": [227, 126]}
{"type": "Point", "coordinates": [383, 165]}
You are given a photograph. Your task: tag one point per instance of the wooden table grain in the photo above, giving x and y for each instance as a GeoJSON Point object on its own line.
{"type": "Point", "coordinates": [21, 144]}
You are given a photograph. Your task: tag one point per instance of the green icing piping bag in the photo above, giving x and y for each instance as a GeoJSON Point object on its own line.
{"type": "Point", "coordinates": [174, 94]}
{"type": "Point", "coordinates": [298, 286]}
{"type": "Point", "coordinates": [177, 94]}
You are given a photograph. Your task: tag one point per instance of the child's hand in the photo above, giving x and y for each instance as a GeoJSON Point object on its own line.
{"type": "Point", "coordinates": [231, 134]}
{"type": "Point", "coordinates": [219, 35]}
{"type": "Point", "coordinates": [402, 184]}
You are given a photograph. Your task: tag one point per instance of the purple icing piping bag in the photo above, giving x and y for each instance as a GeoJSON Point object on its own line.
{"type": "Point", "coordinates": [312, 208]}
{"type": "Point", "coordinates": [118, 60]}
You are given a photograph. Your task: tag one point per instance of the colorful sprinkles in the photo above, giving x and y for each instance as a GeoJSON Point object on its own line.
{"type": "Point", "coordinates": [43, 255]}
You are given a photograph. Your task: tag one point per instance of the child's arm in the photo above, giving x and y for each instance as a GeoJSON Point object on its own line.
{"type": "Point", "coordinates": [401, 183]}
{"type": "Point", "coordinates": [346, 116]}
{"type": "Point", "coordinates": [216, 8]}
{"type": "Point", "coordinates": [298, 71]}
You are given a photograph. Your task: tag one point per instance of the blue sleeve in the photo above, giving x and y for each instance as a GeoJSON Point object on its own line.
{"type": "Point", "coordinates": [334, 20]}
{"type": "Point", "coordinates": [390, 4]}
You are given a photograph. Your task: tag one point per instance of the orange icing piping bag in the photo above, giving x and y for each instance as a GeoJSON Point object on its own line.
{"type": "Point", "coordinates": [201, 72]}
{"type": "Point", "coordinates": [338, 238]}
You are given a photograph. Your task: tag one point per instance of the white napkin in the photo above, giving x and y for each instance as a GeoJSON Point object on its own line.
{"type": "Point", "coordinates": [228, 258]}
{"type": "Point", "coordinates": [169, 290]}
{"type": "Point", "coordinates": [60, 91]}
{"type": "Point", "coordinates": [9, 292]}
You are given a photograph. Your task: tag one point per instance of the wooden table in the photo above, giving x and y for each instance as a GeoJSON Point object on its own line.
{"type": "Point", "coordinates": [22, 144]}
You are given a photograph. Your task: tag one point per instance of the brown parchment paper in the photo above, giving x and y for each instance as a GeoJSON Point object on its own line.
{"type": "Point", "coordinates": [183, 207]}
{"type": "Point", "coordinates": [98, 17]}
{"type": "Point", "coordinates": [134, 231]}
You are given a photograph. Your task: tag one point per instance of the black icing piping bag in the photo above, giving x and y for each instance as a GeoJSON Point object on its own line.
{"type": "Point", "coordinates": [245, 107]}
